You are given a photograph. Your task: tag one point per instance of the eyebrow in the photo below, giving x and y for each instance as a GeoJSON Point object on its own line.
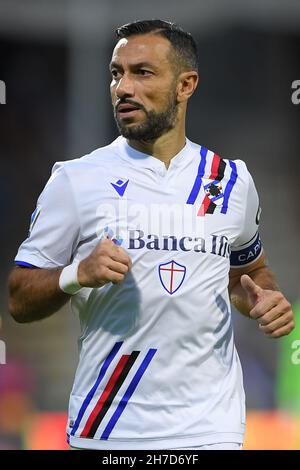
{"type": "Point", "coordinates": [135, 66]}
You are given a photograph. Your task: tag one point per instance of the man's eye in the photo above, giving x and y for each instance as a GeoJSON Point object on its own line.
{"type": "Point", "coordinates": [144, 72]}
{"type": "Point", "coordinates": [114, 73]}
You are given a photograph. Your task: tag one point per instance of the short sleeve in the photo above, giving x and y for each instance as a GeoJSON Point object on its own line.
{"type": "Point", "coordinates": [248, 246]}
{"type": "Point", "coordinates": [54, 229]}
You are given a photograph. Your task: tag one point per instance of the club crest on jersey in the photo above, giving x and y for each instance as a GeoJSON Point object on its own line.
{"type": "Point", "coordinates": [214, 191]}
{"type": "Point", "coordinates": [171, 276]}
{"type": "Point", "coordinates": [214, 194]}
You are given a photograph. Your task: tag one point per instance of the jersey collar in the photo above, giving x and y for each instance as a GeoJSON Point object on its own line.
{"type": "Point", "coordinates": [144, 160]}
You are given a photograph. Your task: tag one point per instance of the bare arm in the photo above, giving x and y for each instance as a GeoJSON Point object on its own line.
{"type": "Point", "coordinates": [254, 292]}
{"type": "Point", "coordinates": [260, 274]}
{"type": "Point", "coordinates": [35, 294]}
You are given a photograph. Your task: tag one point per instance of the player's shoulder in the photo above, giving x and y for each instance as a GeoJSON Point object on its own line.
{"type": "Point", "coordinates": [238, 167]}
{"type": "Point", "coordinates": [100, 157]}
{"type": "Point", "coordinates": [216, 164]}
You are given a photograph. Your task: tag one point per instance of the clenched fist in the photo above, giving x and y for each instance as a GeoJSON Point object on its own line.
{"type": "Point", "coordinates": [106, 263]}
{"type": "Point", "coordinates": [270, 308]}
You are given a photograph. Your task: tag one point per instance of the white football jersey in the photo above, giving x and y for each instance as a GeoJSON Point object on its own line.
{"type": "Point", "coordinates": [158, 368]}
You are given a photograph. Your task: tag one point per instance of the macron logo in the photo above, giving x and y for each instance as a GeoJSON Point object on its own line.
{"type": "Point", "coordinates": [120, 186]}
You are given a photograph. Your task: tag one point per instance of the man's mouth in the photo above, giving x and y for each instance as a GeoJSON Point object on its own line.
{"type": "Point", "coordinates": [125, 110]}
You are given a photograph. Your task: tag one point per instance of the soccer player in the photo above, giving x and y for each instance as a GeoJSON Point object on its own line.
{"type": "Point", "coordinates": [151, 237]}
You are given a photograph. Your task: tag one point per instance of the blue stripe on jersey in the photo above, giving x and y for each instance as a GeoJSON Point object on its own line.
{"type": "Point", "coordinates": [246, 255]}
{"type": "Point", "coordinates": [26, 265]}
{"type": "Point", "coordinates": [216, 182]}
{"type": "Point", "coordinates": [91, 393]}
{"type": "Point", "coordinates": [33, 214]}
{"type": "Point", "coordinates": [213, 199]}
{"type": "Point", "coordinates": [127, 395]}
{"type": "Point", "coordinates": [229, 186]}
{"type": "Point", "coordinates": [197, 184]}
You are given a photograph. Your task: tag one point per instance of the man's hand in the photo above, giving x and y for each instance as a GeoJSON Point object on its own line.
{"type": "Point", "coordinates": [107, 263]}
{"type": "Point", "coordinates": [34, 293]}
{"type": "Point", "coordinates": [270, 308]}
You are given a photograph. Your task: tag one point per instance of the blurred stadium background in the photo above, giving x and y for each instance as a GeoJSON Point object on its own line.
{"type": "Point", "coordinates": [54, 60]}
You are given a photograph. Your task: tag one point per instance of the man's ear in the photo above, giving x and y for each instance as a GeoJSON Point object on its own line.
{"type": "Point", "coordinates": [187, 84]}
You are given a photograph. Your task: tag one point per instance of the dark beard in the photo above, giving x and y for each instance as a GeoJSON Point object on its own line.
{"type": "Point", "coordinates": [155, 125]}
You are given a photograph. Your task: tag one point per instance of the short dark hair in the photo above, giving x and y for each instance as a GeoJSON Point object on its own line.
{"type": "Point", "coordinates": [184, 47]}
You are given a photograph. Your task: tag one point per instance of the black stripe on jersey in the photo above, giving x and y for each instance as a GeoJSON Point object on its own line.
{"type": "Point", "coordinates": [221, 170]}
{"type": "Point", "coordinates": [132, 358]}
{"type": "Point", "coordinates": [211, 208]}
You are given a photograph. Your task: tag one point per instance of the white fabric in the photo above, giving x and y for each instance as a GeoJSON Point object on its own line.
{"type": "Point", "coordinates": [217, 446]}
{"type": "Point", "coordinates": [68, 280]}
{"type": "Point", "coordinates": [190, 392]}
{"type": "Point", "coordinates": [249, 222]}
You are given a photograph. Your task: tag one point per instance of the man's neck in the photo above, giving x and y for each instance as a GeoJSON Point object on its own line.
{"type": "Point", "coordinates": [164, 148]}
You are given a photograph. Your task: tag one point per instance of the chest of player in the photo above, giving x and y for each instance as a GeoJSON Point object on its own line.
{"type": "Point", "coordinates": [154, 211]}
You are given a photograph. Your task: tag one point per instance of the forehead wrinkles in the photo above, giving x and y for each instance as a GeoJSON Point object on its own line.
{"type": "Point", "coordinates": [137, 50]}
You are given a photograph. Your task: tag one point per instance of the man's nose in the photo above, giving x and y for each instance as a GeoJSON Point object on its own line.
{"type": "Point", "coordinates": [125, 86]}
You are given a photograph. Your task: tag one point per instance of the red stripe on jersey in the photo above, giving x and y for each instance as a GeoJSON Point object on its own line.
{"type": "Point", "coordinates": [100, 403]}
{"type": "Point", "coordinates": [214, 167]}
{"type": "Point", "coordinates": [204, 206]}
